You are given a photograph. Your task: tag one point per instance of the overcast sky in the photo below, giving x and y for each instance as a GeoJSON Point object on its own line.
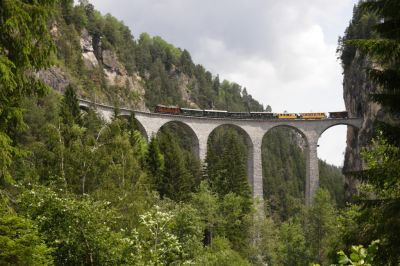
{"type": "Point", "coordinates": [282, 51]}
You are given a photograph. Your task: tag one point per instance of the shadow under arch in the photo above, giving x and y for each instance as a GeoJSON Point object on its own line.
{"type": "Point", "coordinates": [194, 145]}
{"type": "Point", "coordinates": [284, 156]}
{"type": "Point", "coordinates": [139, 125]}
{"type": "Point", "coordinates": [249, 144]}
{"type": "Point", "coordinates": [84, 108]}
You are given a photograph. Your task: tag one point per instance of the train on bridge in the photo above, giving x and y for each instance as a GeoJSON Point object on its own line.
{"type": "Point", "coordinates": [175, 110]}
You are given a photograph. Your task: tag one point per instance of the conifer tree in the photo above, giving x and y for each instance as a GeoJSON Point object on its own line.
{"type": "Point", "coordinates": [186, 63]}
{"type": "Point", "coordinates": [234, 161]}
{"type": "Point", "coordinates": [320, 227]}
{"type": "Point", "coordinates": [69, 110]}
{"type": "Point", "coordinates": [155, 163]}
{"type": "Point", "coordinates": [25, 47]}
{"type": "Point", "coordinates": [176, 183]}
{"type": "Point", "coordinates": [226, 162]}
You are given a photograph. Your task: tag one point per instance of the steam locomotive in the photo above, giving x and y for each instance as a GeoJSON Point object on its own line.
{"type": "Point", "coordinates": [175, 110]}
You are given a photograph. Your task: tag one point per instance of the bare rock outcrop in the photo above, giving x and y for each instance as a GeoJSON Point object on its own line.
{"type": "Point", "coordinates": [356, 90]}
{"type": "Point", "coordinates": [129, 88]}
{"type": "Point", "coordinates": [88, 55]}
{"type": "Point", "coordinates": [55, 77]}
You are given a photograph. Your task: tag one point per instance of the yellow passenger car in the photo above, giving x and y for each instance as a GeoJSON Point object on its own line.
{"type": "Point", "coordinates": [312, 115]}
{"type": "Point", "coordinates": [287, 116]}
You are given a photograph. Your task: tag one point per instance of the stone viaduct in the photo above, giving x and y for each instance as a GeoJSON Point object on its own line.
{"type": "Point", "coordinates": [252, 130]}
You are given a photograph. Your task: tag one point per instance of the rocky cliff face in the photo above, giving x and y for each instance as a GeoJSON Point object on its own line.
{"type": "Point", "coordinates": [115, 74]}
{"type": "Point", "coordinates": [128, 88]}
{"type": "Point", "coordinates": [356, 91]}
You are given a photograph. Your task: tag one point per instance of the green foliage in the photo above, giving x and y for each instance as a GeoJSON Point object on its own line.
{"type": "Point", "coordinates": [320, 227]}
{"type": "Point", "coordinates": [69, 110]}
{"type": "Point", "coordinates": [177, 181]}
{"type": "Point", "coordinates": [186, 63]}
{"type": "Point", "coordinates": [188, 226]}
{"type": "Point", "coordinates": [160, 246]}
{"type": "Point", "coordinates": [206, 203]}
{"type": "Point", "coordinates": [220, 253]}
{"type": "Point", "coordinates": [78, 230]}
{"type": "Point", "coordinates": [293, 250]}
{"type": "Point", "coordinates": [283, 159]}
{"type": "Point", "coordinates": [283, 171]}
{"type": "Point", "coordinates": [20, 241]}
{"type": "Point", "coordinates": [155, 162]}
{"type": "Point", "coordinates": [379, 215]}
{"type": "Point", "coordinates": [25, 46]}
{"type": "Point", "coordinates": [360, 27]}
{"type": "Point", "coordinates": [332, 179]}
{"type": "Point", "coordinates": [268, 242]}
{"type": "Point", "coordinates": [359, 255]}
{"type": "Point", "coordinates": [227, 176]}
{"type": "Point", "coordinates": [226, 163]}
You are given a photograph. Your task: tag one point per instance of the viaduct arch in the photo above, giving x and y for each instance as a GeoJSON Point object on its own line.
{"type": "Point", "coordinates": [202, 127]}
{"type": "Point", "coordinates": [249, 145]}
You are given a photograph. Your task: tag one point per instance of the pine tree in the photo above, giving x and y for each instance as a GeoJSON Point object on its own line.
{"type": "Point", "coordinates": [320, 227]}
{"type": "Point", "coordinates": [226, 161]}
{"type": "Point", "coordinates": [155, 163]}
{"type": "Point", "coordinates": [176, 183]}
{"type": "Point", "coordinates": [186, 63]}
{"type": "Point", "coordinates": [25, 47]}
{"type": "Point", "coordinates": [69, 110]}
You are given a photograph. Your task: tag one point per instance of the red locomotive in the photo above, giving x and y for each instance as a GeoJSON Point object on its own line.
{"type": "Point", "coordinates": [168, 109]}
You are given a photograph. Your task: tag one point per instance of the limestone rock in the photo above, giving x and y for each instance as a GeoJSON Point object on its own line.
{"type": "Point", "coordinates": [111, 63]}
{"type": "Point", "coordinates": [89, 57]}
{"type": "Point", "coordinates": [55, 78]}
{"type": "Point", "coordinates": [356, 90]}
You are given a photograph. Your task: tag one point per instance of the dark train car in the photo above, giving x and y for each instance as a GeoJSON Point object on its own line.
{"type": "Point", "coordinates": [192, 112]}
{"type": "Point", "coordinates": [239, 115]}
{"type": "Point", "coordinates": [167, 109]}
{"type": "Point", "coordinates": [341, 114]}
{"type": "Point", "coordinates": [215, 113]}
{"type": "Point", "coordinates": [263, 115]}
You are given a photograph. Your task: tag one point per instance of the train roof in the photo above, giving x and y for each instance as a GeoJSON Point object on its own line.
{"type": "Point", "coordinates": [262, 113]}
{"type": "Point", "coordinates": [191, 109]}
{"type": "Point", "coordinates": [167, 106]}
{"type": "Point", "coordinates": [312, 113]}
{"type": "Point", "coordinates": [216, 111]}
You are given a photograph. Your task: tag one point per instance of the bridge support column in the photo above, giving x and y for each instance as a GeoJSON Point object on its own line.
{"type": "Point", "coordinates": [255, 175]}
{"type": "Point", "coordinates": [255, 170]}
{"type": "Point", "coordinates": [203, 148]}
{"type": "Point", "coordinates": [312, 170]}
